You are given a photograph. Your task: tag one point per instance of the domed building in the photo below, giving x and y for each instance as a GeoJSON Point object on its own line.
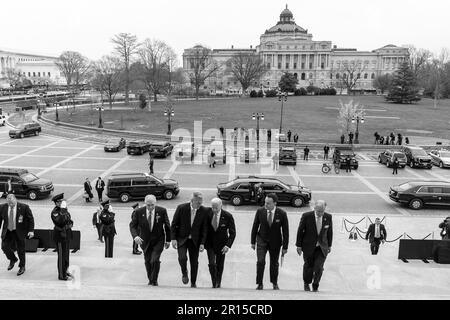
{"type": "Point", "coordinates": [288, 47]}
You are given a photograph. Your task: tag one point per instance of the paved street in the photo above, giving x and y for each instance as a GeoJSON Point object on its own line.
{"type": "Point", "coordinates": [349, 195]}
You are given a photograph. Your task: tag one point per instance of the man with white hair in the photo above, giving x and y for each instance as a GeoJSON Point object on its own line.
{"type": "Point", "coordinates": [188, 233]}
{"type": "Point", "coordinates": [150, 228]}
{"type": "Point", "coordinates": [314, 239]}
{"type": "Point", "coordinates": [221, 234]}
{"type": "Point", "coordinates": [18, 224]}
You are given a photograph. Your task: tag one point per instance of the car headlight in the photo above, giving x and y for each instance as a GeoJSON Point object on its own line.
{"type": "Point", "coordinates": [42, 188]}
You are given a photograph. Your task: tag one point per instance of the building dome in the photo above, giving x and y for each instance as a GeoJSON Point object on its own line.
{"type": "Point", "coordinates": [286, 24]}
{"type": "Point", "coordinates": [286, 14]}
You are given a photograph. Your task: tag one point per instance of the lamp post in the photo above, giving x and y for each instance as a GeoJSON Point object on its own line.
{"type": "Point", "coordinates": [56, 104]}
{"type": "Point", "coordinates": [357, 119]}
{"type": "Point", "coordinates": [169, 113]}
{"type": "Point", "coordinates": [257, 116]}
{"type": "Point", "coordinates": [282, 96]}
{"type": "Point", "coordinates": [100, 109]}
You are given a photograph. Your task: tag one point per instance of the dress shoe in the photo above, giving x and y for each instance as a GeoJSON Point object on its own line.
{"type": "Point", "coordinates": [150, 283]}
{"type": "Point", "coordinates": [193, 285]}
{"type": "Point", "coordinates": [11, 264]}
{"type": "Point", "coordinates": [137, 252]}
{"type": "Point", "coordinates": [218, 285]}
{"type": "Point", "coordinates": [155, 283]}
{"type": "Point", "coordinates": [21, 271]}
{"type": "Point", "coordinates": [259, 287]}
{"type": "Point", "coordinates": [315, 288]}
{"type": "Point", "coordinates": [63, 278]}
{"type": "Point", "coordinates": [276, 287]}
{"type": "Point", "coordinates": [306, 287]}
{"type": "Point", "coordinates": [185, 279]}
{"type": "Point", "coordinates": [69, 275]}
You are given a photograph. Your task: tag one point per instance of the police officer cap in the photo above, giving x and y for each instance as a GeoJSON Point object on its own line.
{"type": "Point", "coordinates": [104, 203]}
{"type": "Point", "coordinates": [134, 206]}
{"type": "Point", "coordinates": [58, 197]}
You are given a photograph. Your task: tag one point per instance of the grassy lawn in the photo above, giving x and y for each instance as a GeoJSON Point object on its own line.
{"type": "Point", "coordinates": [314, 118]}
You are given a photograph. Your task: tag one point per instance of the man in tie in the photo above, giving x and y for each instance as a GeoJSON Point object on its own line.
{"type": "Point", "coordinates": [135, 245]}
{"type": "Point", "coordinates": [376, 234]}
{"type": "Point", "coordinates": [150, 228]}
{"type": "Point", "coordinates": [99, 187]}
{"type": "Point", "coordinates": [188, 233]}
{"type": "Point", "coordinates": [221, 234]}
{"type": "Point", "coordinates": [97, 223]}
{"type": "Point", "coordinates": [314, 239]}
{"type": "Point", "coordinates": [270, 232]}
{"type": "Point", "coordinates": [18, 224]}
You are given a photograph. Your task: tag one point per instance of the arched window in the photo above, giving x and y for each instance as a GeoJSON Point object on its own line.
{"type": "Point", "coordinates": [337, 76]}
{"type": "Point", "coordinates": [373, 76]}
{"type": "Point", "coordinates": [303, 76]}
{"type": "Point", "coordinates": [310, 75]}
{"type": "Point", "coordinates": [359, 76]}
{"type": "Point", "coordinates": [366, 75]}
{"type": "Point", "coordinates": [331, 76]}
{"type": "Point", "coordinates": [295, 76]}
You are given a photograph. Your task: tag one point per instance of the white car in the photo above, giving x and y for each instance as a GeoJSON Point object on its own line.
{"type": "Point", "coordinates": [2, 120]}
{"type": "Point", "coordinates": [440, 158]}
{"type": "Point", "coordinates": [280, 137]}
{"type": "Point", "coordinates": [248, 155]}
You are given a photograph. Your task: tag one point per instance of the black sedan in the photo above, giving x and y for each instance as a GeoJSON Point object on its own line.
{"type": "Point", "coordinates": [115, 144]}
{"type": "Point", "coordinates": [416, 194]}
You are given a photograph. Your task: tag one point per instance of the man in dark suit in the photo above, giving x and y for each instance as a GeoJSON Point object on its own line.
{"type": "Point", "coordinates": [97, 223]}
{"type": "Point", "coordinates": [221, 234]}
{"type": "Point", "coordinates": [150, 228]}
{"type": "Point", "coordinates": [18, 224]}
{"type": "Point", "coordinates": [188, 234]}
{"type": "Point", "coordinates": [376, 234]}
{"type": "Point", "coordinates": [135, 245]}
{"type": "Point", "coordinates": [270, 232]}
{"type": "Point", "coordinates": [314, 239]}
{"type": "Point", "coordinates": [99, 187]}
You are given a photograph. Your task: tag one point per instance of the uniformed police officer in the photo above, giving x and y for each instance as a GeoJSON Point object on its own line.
{"type": "Point", "coordinates": [135, 245]}
{"type": "Point", "coordinates": [109, 229]}
{"type": "Point", "coordinates": [62, 234]}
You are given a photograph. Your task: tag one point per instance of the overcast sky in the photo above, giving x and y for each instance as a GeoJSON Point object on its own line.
{"type": "Point", "coordinates": [52, 26]}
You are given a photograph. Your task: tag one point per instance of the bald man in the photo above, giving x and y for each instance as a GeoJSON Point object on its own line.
{"type": "Point", "coordinates": [150, 228]}
{"type": "Point", "coordinates": [314, 239]}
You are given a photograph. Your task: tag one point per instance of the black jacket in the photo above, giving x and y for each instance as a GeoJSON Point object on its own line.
{"type": "Point", "coordinates": [108, 220]}
{"type": "Point", "coordinates": [307, 237]}
{"type": "Point", "coordinates": [370, 235]}
{"type": "Point", "coordinates": [62, 230]}
{"type": "Point", "coordinates": [102, 184]}
{"type": "Point", "coordinates": [181, 225]}
{"type": "Point", "coordinates": [225, 233]}
{"type": "Point", "coordinates": [277, 234]}
{"type": "Point", "coordinates": [94, 218]}
{"type": "Point", "coordinates": [139, 226]}
{"type": "Point", "coordinates": [87, 187]}
{"type": "Point", "coordinates": [24, 220]}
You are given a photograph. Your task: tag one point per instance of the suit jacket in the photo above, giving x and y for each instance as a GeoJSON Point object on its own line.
{"type": "Point", "coordinates": [102, 184]}
{"type": "Point", "coordinates": [139, 226]}
{"type": "Point", "coordinates": [181, 225]}
{"type": "Point", "coordinates": [225, 233]}
{"type": "Point", "coordinates": [62, 220]}
{"type": "Point", "coordinates": [370, 235]}
{"type": "Point", "coordinates": [307, 237]}
{"type": "Point", "coordinates": [94, 218]}
{"type": "Point", "coordinates": [277, 234]}
{"type": "Point", "coordinates": [108, 220]}
{"type": "Point", "coordinates": [24, 220]}
{"type": "Point", "coordinates": [87, 187]}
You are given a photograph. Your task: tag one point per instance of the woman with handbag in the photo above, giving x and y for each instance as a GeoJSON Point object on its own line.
{"type": "Point", "coordinates": [88, 190]}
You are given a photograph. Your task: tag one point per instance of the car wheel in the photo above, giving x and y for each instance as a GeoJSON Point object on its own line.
{"type": "Point", "coordinates": [22, 136]}
{"type": "Point", "coordinates": [236, 200]}
{"type": "Point", "coordinates": [297, 202]}
{"type": "Point", "coordinates": [379, 160]}
{"type": "Point", "coordinates": [168, 194]}
{"type": "Point", "coordinates": [124, 197]}
{"type": "Point", "coordinates": [36, 133]}
{"type": "Point", "coordinates": [32, 195]}
{"type": "Point", "coordinates": [416, 204]}
{"type": "Point", "coordinates": [441, 165]}
{"type": "Point", "coordinates": [355, 168]}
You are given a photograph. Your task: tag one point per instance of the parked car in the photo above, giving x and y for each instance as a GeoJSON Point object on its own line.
{"type": "Point", "coordinates": [280, 137]}
{"type": "Point", "coordinates": [25, 184]}
{"type": "Point", "coordinates": [248, 155]}
{"type": "Point", "coordinates": [440, 158]}
{"type": "Point", "coordinates": [137, 185]}
{"type": "Point", "coordinates": [416, 194]}
{"type": "Point", "coordinates": [24, 130]}
{"type": "Point", "coordinates": [340, 153]}
{"type": "Point", "coordinates": [115, 144]}
{"type": "Point", "coordinates": [138, 147]}
{"type": "Point", "coordinates": [160, 148]}
{"type": "Point", "coordinates": [239, 191]}
{"type": "Point", "coordinates": [2, 120]}
{"type": "Point", "coordinates": [185, 151]}
{"type": "Point", "coordinates": [288, 155]}
{"type": "Point", "coordinates": [387, 157]}
{"type": "Point", "coordinates": [416, 157]}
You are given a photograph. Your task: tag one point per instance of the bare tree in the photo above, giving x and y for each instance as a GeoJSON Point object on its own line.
{"type": "Point", "coordinates": [201, 67]}
{"type": "Point", "coordinates": [347, 112]}
{"type": "Point", "coordinates": [12, 76]}
{"type": "Point", "coordinates": [438, 70]}
{"type": "Point", "coordinates": [247, 68]}
{"type": "Point", "coordinates": [352, 74]}
{"type": "Point", "coordinates": [383, 82]}
{"type": "Point", "coordinates": [418, 58]}
{"type": "Point", "coordinates": [108, 77]}
{"type": "Point", "coordinates": [126, 45]}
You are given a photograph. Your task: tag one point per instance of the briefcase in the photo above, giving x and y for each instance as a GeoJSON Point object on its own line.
{"type": "Point", "coordinates": [31, 245]}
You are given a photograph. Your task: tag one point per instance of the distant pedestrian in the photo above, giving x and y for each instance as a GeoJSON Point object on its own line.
{"type": "Point", "coordinates": [222, 131]}
{"type": "Point", "coordinates": [212, 159]}
{"type": "Point", "coordinates": [289, 133]}
{"type": "Point", "coordinates": [406, 140]}
{"type": "Point", "coordinates": [97, 223]}
{"type": "Point", "coordinates": [381, 140]}
{"type": "Point", "coordinates": [342, 139]}
{"type": "Point", "coordinates": [350, 138]}
{"type": "Point", "coordinates": [326, 150]}
{"type": "Point", "coordinates": [99, 187]}
{"type": "Point", "coordinates": [88, 190]}
{"type": "Point", "coordinates": [276, 161]}
{"type": "Point", "coordinates": [395, 165]}
{"type": "Point", "coordinates": [392, 136]}
{"type": "Point", "coordinates": [376, 234]}
{"type": "Point", "coordinates": [348, 164]}
{"type": "Point", "coordinates": [377, 137]}
{"type": "Point", "coordinates": [306, 153]}
{"type": "Point", "coordinates": [386, 140]}
{"type": "Point", "coordinates": [150, 163]}
{"type": "Point", "coordinates": [399, 139]}
{"type": "Point", "coordinates": [269, 134]}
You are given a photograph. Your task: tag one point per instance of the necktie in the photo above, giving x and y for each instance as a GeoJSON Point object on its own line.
{"type": "Point", "coordinates": [377, 231]}
{"type": "Point", "coordinates": [11, 221]}
{"type": "Point", "coordinates": [318, 224]}
{"type": "Point", "coordinates": [150, 220]}
{"type": "Point", "coordinates": [270, 218]}
{"type": "Point", "coordinates": [215, 221]}
{"type": "Point", "coordinates": [192, 216]}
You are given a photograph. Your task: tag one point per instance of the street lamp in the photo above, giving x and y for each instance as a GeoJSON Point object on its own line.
{"type": "Point", "coordinates": [169, 113]}
{"type": "Point", "coordinates": [358, 119]}
{"type": "Point", "coordinates": [100, 109]}
{"type": "Point", "coordinates": [282, 96]}
{"type": "Point", "coordinates": [257, 116]}
{"type": "Point", "coordinates": [56, 104]}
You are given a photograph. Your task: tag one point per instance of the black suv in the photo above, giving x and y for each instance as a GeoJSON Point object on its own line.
{"type": "Point", "coordinates": [24, 130]}
{"type": "Point", "coordinates": [115, 144]}
{"type": "Point", "coordinates": [288, 155]}
{"type": "Point", "coordinates": [239, 191]}
{"type": "Point", "coordinates": [25, 184]}
{"type": "Point", "coordinates": [340, 154]}
{"type": "Point", "coordinates": [416, 157]}
{"type": "Point", "coordinates": [138, 147]}
{"type": "Point", "coordinates": [137, 185]}
{"type": "Point", "coordinates": [160, 148]}
{"type": "Point", "coordinates": [416, 194]}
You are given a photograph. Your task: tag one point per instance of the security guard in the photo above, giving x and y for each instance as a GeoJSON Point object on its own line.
{"type": "Point", "coordinates": [109, 229]}
{"type": "Point", "coordinates": [135, 245]}
{"type": "Point", "coordinates": [62, 234]}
